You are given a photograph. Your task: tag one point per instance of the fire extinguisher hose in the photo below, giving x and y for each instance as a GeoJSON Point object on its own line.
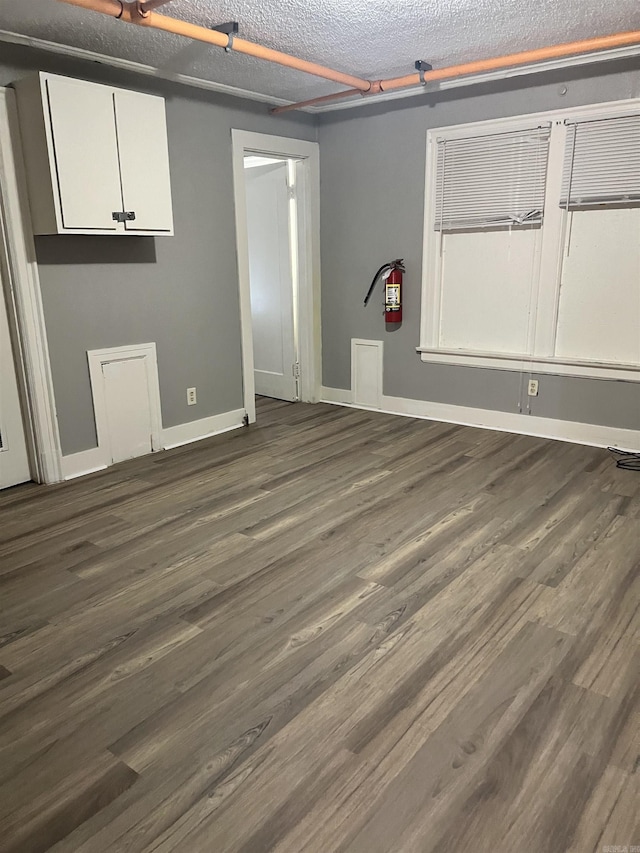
{"type": "Point", "coordinates": [397, 264]}
{"type": "Point", "coordinates": [375, 281]}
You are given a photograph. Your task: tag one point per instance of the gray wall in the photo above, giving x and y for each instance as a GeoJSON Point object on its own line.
{"type": "Point", "coordinates": [372, 165]}
{"type": "Point", "coordinates": [181, 291]}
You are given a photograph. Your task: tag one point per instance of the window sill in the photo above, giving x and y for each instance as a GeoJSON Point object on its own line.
{"type": "Point", "coordinates": [533, 364]}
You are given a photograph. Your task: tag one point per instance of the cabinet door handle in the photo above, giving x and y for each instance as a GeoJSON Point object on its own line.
{"type": "Point", "coordinates": [123, 215]}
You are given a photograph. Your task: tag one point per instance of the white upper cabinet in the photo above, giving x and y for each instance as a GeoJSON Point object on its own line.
{"type": "Point", "coordinates": [97, 158]}
{"type": "Point", "coordinates": [144, 160]}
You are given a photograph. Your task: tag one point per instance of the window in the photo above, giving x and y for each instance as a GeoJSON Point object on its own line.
{"type": "Point", "coordinates": [491, 181]}
{"type": "Point", "coordinates": [532, 243]}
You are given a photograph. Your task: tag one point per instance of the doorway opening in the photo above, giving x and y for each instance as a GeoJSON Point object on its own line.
{"type": "Point", "coordinates": [274, 274]}
{"type": "Point", "coordinates": [277, 188]}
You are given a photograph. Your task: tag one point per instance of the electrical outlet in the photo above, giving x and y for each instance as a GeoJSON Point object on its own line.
{"type": "Point", "coordinates": [192, 398]}
{"type": "Point", "coordinates": [533, 388]}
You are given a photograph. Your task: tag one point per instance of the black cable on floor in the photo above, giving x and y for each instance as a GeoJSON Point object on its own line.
{"type": "Point", "coordinates": [628, 460]}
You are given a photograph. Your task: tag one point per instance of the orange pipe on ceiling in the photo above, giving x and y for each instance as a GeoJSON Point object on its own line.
{"type": "Point", "coordinates": [347, 93]}
{"type": "Point", "coordinates": [135, 13]}
{"type": "Point", "coordinates": [527, 57]}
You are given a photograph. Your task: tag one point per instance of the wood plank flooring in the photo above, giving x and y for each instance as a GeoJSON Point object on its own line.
{"type": "Point", "coordinates": [335, 630]}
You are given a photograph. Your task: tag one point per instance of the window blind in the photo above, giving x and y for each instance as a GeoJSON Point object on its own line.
{"type": "Point", "coordinates": [602, 162]}
{"type": "Point", "coordinates": [491, 181]}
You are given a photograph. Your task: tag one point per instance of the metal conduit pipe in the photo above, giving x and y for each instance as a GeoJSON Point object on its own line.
{"type": "Point", "coordinates": [347, 93]}
{"type": "Point", "coordinates": [375, 87]}
{"type": "Point", "coordinates": [526, 57]}
{"type": "Point", "coordinates": [140, 13]}
{"type": "Point", "coordinates": [136, 13]}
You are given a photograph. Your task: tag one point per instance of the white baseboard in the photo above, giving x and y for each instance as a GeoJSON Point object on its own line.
{"type": "Point", "coordinates": [343, 396]}
{"type": "Point", "coordinates": [176, 436]}
{"type": "Point", "coordinates": [84, 462]}
{"type": "Point", "coordinates": [88, 461]}
{"type": "Point", "coordinates": [572, 431]}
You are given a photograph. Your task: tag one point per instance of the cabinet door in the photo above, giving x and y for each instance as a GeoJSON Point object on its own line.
{"type": "Point", "coordinates": [144, 161]}
{"type": "Point", "coordinates": [86, 153]}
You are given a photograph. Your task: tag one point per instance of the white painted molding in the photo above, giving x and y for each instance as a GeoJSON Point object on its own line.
{"type": "Point", "coordinates": [85, 462]}
{"type": "Point", "coordinates": [98, 357]}
{"type": "Point", "coordinates": [16, 242]}
{"type": "Point", "coordinates": [95, 459]}
{"type": "Point", "coordinates": [341, 396]}
{"type": "Point", "coordinates": [533, 364]}
{"type": "Point", "coordinates": [308, 153]}
{"type": "Point", "coordinates": [486, 77]}
{"type": "Point", "coordinates": [176, 436]}
{"type": "Point", "coordinates": [575, 432]}
{"type": "Point", "coordinates": [137, 67]}
{"type": "Point", "coordinates": [358, 101]}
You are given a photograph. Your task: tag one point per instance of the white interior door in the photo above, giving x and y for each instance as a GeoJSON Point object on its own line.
{"type": "Point", "coordinates": [272, 283]}
{"type": "Point", "coordinates": [127, 408]}
{"type": "Point", "coordinates": [144, 161]}
{"type": "Point", "coordinates": [86, 161]}
{"type": "Point", "coordinates": [14, 462]}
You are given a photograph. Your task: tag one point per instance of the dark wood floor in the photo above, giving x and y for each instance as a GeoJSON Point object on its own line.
{"type": "Point", "coordinates": [333, 631]}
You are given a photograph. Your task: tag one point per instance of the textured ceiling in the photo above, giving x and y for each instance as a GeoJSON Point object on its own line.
{"type": "Point", "coordinates": [369, 38]}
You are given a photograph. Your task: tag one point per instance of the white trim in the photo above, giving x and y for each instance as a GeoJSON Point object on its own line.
{"type": "Point", "coordinates": [180, 434]}
{"type": "Point", "coordinates": [85, 462]}
{"type": "Point", "coordinates": [572, 431]}
{"type": "Point", "coordinates": [487, 77]}
{"type": "Point", "coordinates": [137, 67]}
{"type": "Point", "coordinates": [523, 121]}
{"type": "Point", "coordinates": [544, 304]}
{"type": "Point", "coordinates": [339, 396]}
{"type": "Point", "coordinates": [358, 101]}
{"type": "Point", "coordinates": [430, 293]}
{"type": "Point", "coordinates": [244, 141]}
{"type": "Point", "coordinates": [95, 459]}
{"type": "Point", "coordinates": [17, 243]}
{"type": "Point", "coordinates": [96, 358]}
{"type": "Point", "coordinates": [544, 314]}
{"type": "Point", "coordinates": [533, 364]}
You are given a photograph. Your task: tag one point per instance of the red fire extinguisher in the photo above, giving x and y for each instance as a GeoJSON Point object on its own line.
{"type": "Point", "coordinates": [391, 274]}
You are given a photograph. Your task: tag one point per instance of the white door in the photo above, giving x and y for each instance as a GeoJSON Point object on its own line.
{"type": "Point", "coordinates": [144, 168]}
{"type": "Point", "coordinates": [127, 408]}
{"type": "Point", "coordinates": [271, 279]}
{"type": "Point", "coordinates": [14, 462]}
{"type": "Point", "coordinates": [87, 161]}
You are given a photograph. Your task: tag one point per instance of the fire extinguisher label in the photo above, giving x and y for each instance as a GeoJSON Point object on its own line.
{"type": "Point", "coordinates": [392, 296]}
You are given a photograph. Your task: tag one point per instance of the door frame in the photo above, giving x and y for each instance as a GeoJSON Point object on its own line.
{"type": "Point", "coordinates": [309, 334]}
{"type": "Point", "coordinates": [26, 313]}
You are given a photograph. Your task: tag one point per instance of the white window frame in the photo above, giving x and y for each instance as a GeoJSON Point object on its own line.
{"type": "Point", "coordinates": [543, 320]}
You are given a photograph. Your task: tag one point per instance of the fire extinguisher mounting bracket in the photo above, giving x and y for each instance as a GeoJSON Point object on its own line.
{"type": "Point", "coordinates": [421, 66]}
